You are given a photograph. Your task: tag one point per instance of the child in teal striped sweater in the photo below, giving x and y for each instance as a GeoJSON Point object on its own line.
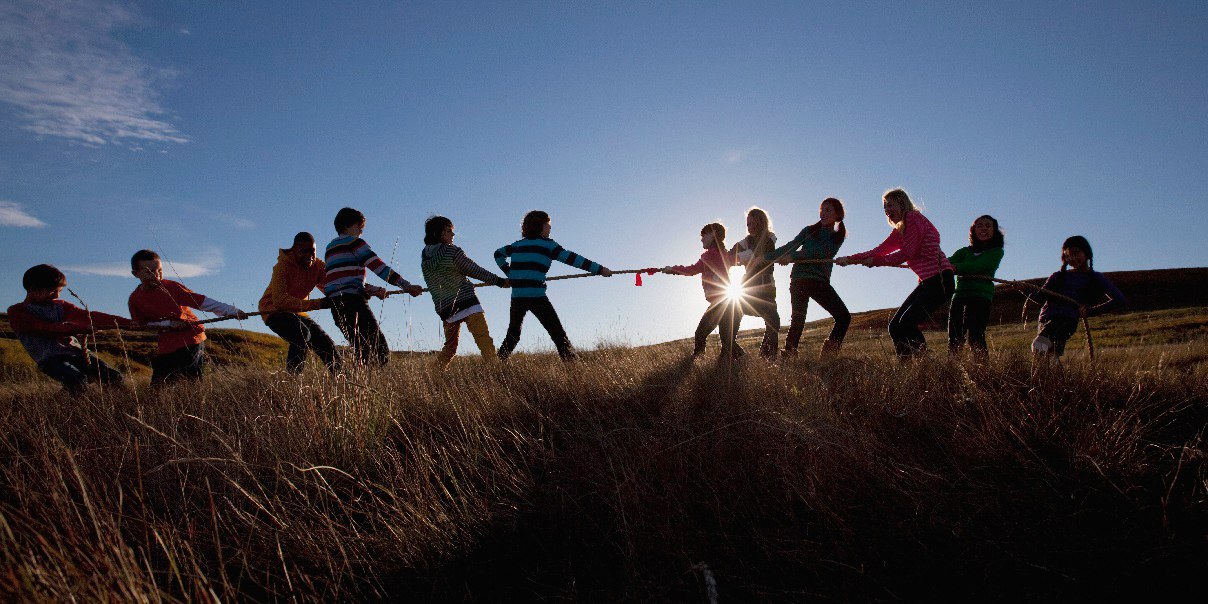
{"type": "Point", "coordinates": [445, 267]}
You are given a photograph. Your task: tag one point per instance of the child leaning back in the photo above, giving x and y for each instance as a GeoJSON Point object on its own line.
{"type": "Point", "coordinates": [47, 327]}
{"type": "Point", "coordinates": [714, 270]}
{"type": "Point", "coordinates": [181, 350]}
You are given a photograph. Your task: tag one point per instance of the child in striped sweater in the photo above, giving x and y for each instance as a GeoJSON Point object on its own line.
{"type": "Point", "coordinates": [347, 258]}
{"type": "Point", "coordinates": [531, 258]}
{"type": "Point", "coordinates": [445, 267]}
{"type": "Point", "coordinates": [915, 243]}
{"type": "Point", "coordinates": [970, 310]}
{"type": "Point", "coordinates": [1077, 279]}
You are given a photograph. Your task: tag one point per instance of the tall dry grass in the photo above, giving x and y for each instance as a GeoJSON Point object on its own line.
{"type": "Point", "coordinates": [627, 476]}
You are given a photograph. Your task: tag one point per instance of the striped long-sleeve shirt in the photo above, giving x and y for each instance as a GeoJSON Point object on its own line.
{"type": "Point", "coordinates": [917, 244]}
{"type": "Point", "coordinates": [445, 269]}
{"type": "Point", "coordinates": [347, 259]}
{"type": "Point", "coordinates": [531, 259]}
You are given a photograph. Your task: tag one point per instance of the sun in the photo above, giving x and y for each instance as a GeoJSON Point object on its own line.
{"type": "Point", "coordinates": [734, 289]}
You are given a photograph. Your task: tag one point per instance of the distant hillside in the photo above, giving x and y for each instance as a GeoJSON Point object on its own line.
{"type": "Point", "coordinates": [1147, 290]}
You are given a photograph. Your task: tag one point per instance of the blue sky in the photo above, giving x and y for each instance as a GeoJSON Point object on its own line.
{"type": "Point", "coordinates": [214, 131]}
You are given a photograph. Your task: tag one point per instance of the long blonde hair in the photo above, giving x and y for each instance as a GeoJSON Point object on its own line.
{"type": "Point", "coordinates": [762, 217]}
{"type": "Point", "coordinates": [898, 195]}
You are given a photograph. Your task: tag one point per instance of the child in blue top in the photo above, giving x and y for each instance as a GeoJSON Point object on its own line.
{"type": "Point", "coordinates": [819, 241]}
{"type": "Point", "coordinates": [531, 259]}
{"type": "Point", "coordinates": [1059, 318]}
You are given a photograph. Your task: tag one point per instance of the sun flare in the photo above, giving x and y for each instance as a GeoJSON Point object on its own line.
{"type": "Point", "coordinates": [734, 289]}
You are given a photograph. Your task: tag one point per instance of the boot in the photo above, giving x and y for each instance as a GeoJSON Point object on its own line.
{"type": "Point", "coordinates": [830, 350]}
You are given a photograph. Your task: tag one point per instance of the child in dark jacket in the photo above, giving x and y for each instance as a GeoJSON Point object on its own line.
{"type": "Point", "coordinates": [714, 270]}
{"type": "Point", "coordinates": [970, 310]}
{"type": "Point", "coordinates": [1077, 279]}
{"type": "Point", "coordinates": [532, 257]}
{"type": "Point", "coordinates": [47, 327]}
{"type": "Point", "coordinates": [445, 267]}
{"type": "Point", "coordinates": [819, 241]}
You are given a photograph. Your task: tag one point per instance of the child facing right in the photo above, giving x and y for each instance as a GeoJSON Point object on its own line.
{"type": "Point", "coordinates": [1077, 279]}
{"type": "Point", "coordinates": [47, 327]}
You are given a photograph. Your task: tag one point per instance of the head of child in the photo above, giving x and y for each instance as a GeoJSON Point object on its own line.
{"type": "Point", "coordinates": [897, 205]}
{"type": "Point", "coordinates": [349, 222]}
{"type": "Point", "coordinates": [830, 216]}
{"type": "Point", "coordinates": [713, 235]}
{"type": "Point", "coordinates": [1076, 253]}
{"type": "Point", "coordinates": [303, 250]}
{"type": "Point", "coordinates": [43, 283]}
{"type": "Point", "coordinates": [145, 266]}
{"type": "Point", "coordinates": [536, 224]}
{"type": "Point", "coordinates": [984, 233]}
{"type": "Point", "coordinates": [758, 223]}
{"type": "Point", "coordinates": [438, 229]}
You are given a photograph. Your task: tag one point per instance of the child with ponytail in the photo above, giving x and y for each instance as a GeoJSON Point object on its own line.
{"type": "Point", "coordinates": [1077, 279]}
{"type": "Point", "coordinates": [819, 241]}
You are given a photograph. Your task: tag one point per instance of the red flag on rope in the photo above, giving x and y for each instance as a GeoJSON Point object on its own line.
{"type": "Point", "coordinates": [638, 276]}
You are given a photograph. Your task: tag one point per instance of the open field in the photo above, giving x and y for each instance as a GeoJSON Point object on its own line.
{"type": "Point", "coordinates": [636, 474]}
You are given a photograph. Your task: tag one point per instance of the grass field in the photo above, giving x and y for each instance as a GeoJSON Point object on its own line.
{"type": "Point", "coordinates": [635, 474]}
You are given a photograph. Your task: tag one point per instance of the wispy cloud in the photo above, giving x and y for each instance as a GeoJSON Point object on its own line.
{"type": "Point", "coordinates": [734, 156]}
{"type": "Point", "coordinates": [13, 215]}
{"type": "Point", "coordinates": [68, 76]}
{"type": "Point", "coordinates": [207, 263]}
{"type": "Point", "coordinates": [235, 221]}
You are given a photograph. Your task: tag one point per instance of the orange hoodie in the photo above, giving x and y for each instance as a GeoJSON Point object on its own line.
{"type": "Point", "coordinates": [289, 289]}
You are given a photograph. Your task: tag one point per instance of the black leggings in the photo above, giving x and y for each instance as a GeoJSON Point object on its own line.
{"type": "Point", "coordinates": [353, 317]}
{"type": "Point", "coordinates": [764, 308]}
{"type": "Point", "coordinates": [544, 310]}
{"type": "Point", "coordinates": [929, 295]}
{"type": "Point", "coordinates": [801, 291]}
{"type": "Point", "coordinates": [303, 334]}
{"type": "Point", "coordinates": [721, 312]}
{"type": "Point", "coordinates": [968, 315]}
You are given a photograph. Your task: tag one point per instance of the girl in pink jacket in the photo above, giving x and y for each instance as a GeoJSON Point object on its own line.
{"type": "Point", "coordinates": [915, 244]}
{"type": "Point", "coordinates": [714, 270]}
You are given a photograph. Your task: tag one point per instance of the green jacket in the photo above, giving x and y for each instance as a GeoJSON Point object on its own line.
{"type": "Point", "coordinates": [821, 246]}
{"type": "Point", "coordinates": [967, 262]}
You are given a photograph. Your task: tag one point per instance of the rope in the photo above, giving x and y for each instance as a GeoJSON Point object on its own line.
{"type": "Point", "coordinates": [631, 271]}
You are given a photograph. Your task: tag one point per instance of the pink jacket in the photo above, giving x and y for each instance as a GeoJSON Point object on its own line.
{"type": "Point", "coordinates": [714, 270]}
{"type": "Point", "coordinates": [917, 245]}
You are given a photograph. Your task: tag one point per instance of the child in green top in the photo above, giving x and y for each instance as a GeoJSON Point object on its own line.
{"type": "Point", "coordinates": [819, 241]}
{"type": "Point", "coordinates": [970, 311]}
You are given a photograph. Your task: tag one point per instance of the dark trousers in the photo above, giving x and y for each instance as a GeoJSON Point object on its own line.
{"type": "Point", "coordinates": [764, 308]}
{"type": "Point", "coordinates": [929, 295]}
{"type": "Point", "coordinates": [721, 313]}
{"type": "Point", "coordinates": [801, 291]}
{"type": "Point", "coordinates": [352, 315]}
{"type": "Point", "coordinates": [1059, 330]}
{"type": "Point", "coordinates": [544, 310]}
{"type": "Point", "coordinates": [75, 371]}
{"type": "Point", "coordinates": [303, 334]}
{"type": "Point", "coordinates": [968, 315]}
{"type": "Point", "coordinates": [188, 362]}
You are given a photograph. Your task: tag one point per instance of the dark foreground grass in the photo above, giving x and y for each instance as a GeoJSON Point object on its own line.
{"type": "Point", "coordinates": [632, 475]}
